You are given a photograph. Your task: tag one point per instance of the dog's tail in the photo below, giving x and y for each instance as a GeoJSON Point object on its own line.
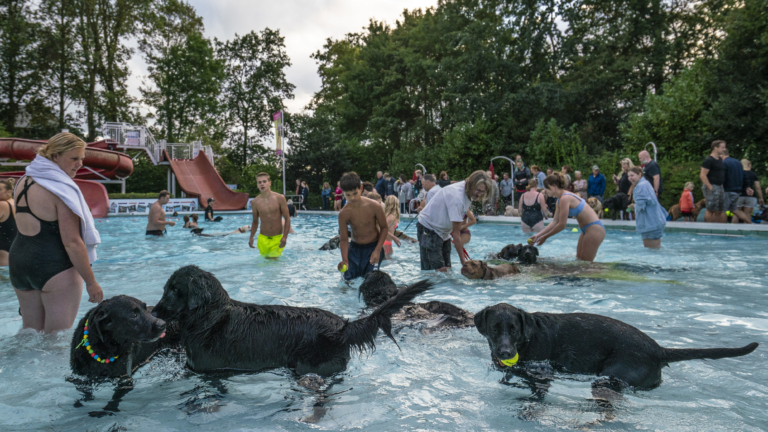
{"type": "Point", "coordinates": [676, 355]}
{"type": "Point", "coordinates": [361, 334]}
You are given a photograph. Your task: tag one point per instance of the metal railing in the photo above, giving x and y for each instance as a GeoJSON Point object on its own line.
{"type": "Point", "coordinates": [140, 138]}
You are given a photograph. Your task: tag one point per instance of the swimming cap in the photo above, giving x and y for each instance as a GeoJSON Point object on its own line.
{"type": "Point", "coordinates": [510, 362]}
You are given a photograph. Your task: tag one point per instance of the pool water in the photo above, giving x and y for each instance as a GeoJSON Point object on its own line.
{"type": "Point", "coordinates": [698, 291]}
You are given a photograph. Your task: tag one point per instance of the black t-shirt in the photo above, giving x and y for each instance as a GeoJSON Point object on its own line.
{"type": "Point", "coordinates": [734, 175]}
{"type": "Point", "coordinates": [716, 174]}
{"type": "Point", "coordinates": [749, 182]}
{"type": "Point", "coordinates": [551, 204]}
{"type": "Point", "coordinates": [443, 183]}
{"type": "Point", "coordinates": [209, 212]}
{"type": "Point", "coordinates": [651, 170]}
{"type": "Point", "coordinates": [625, 184]}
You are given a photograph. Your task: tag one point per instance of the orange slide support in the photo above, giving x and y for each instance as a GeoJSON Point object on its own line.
{"type": "Point", "coordinates": [108, 163]}
{"type": "Point", "coordinates": [198, 178]}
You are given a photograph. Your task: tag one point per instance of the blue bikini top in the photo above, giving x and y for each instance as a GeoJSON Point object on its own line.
{"type": "Point", "coordinates": [573, 212]}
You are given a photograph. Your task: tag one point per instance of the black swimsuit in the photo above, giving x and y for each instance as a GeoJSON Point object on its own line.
{"type": "Point", "coordinates": [532, 213]}
{"type": "Point", "coordinates": [8, 231]}
{"type": "Point", "coordinates": [34, 260]}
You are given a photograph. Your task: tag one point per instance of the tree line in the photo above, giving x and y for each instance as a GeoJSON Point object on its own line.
{"type": "Point", "coordinates": [64, 64]}
{"type": "Point", "coordinates": [559, 81]}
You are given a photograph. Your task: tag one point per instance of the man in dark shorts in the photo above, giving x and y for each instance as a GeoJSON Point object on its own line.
{"type": "Point", "coordinates": [651, 172]}
{"type": "Point", "coordinates": [734, 183]}
{"type": "Point", "coordinates": [156, 220]}
{"type": "Point", "coordinates": [369, 230]}
{"type": "Point", "coordinates": [443, 218]}
{"type": "Point", "coordinates": [713, 176]}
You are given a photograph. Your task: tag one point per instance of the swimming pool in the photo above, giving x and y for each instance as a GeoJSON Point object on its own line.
{"type": "Point", "coordinates": [698, 291]}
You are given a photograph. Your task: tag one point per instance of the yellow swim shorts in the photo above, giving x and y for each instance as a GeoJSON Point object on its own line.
{"type": "Point", "coordinates": [269, 247]}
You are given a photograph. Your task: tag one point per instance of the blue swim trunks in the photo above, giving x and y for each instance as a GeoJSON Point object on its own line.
{"type": "Point", "coordinates": [653, 235]}
{"type": "Point", "coordinates": [359, 258]}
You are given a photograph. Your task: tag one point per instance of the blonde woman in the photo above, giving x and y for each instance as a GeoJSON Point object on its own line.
{"type": "Point", "coordinates": [7, 219]}
{"type": "Point", "coordinates": [623, 182]}
{"type": "Point", "coordinates": [52, 253]}
{"type": "Point", "coordinates": [392, 212]}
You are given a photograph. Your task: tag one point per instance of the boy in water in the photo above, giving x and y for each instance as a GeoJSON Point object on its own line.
{"type": "Point", "coordinates": [369, 230]}
{"type": "Point", "coordinates": [271, 208]}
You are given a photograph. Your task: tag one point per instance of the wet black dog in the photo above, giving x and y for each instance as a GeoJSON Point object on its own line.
{"type": "Point", "coordinates": [121, 328]}
{"type": "Point", "coordinates": [508, 253]}
{"type": "Point", "coordinates": [528, 254]}
{"type": "Point", "coordinates": [617, 204]}
{"type": "Point", "coordinates": [585, 344]}
{"type": "Point", "coordinates": [220, 333]}
{"type": "Point", "coordinates": [378, 287]}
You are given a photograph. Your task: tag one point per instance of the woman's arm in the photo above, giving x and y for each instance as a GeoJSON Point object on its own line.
{"type": "Point", "coordinates": [520, 205]}
{"type": "Point", "coordinates": [470, 220]}
{"type": "Point", "coordinates": [69, 225]}
{"type": "Point", "coordinates": [558, 223]}
{"type": "Point", "coordinates": [543, 204]}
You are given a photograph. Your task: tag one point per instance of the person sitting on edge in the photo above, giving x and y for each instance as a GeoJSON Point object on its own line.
{"type": "Point", "coordinates": [570, 205]}
{"type": "Point", "coordinates": [156, 219]}
{"type": "Point", "coordinates": [369, 230]}
{"type": "Point", "coordinates": [686, 202]}
{"type": "Point", "coordinates": [272, 209]}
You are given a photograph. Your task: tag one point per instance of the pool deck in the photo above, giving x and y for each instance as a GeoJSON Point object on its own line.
{"type": "Point", "coordinates": [701, 228]}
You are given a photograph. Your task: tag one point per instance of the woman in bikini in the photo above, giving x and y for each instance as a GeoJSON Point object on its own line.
{"type": "Point", "coordinates": [392, 212]}
{"type": "Point", "coordinates": [570, 205]}
{"type": "Point", "coordinates": [49, 260]}
{"type": "Point", "coordinates": [533, 208]}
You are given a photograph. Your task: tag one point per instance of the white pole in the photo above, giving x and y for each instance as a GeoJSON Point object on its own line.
{"type": "Point", "coordinates": [282, 135]}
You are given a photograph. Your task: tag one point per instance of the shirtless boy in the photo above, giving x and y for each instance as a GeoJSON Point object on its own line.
{"type": "Point", "coordinates": [369, 230]}
{"type": "Point", "coordinates": [271, 208]}
{"type": "Point", "coordinates": [156, 224]}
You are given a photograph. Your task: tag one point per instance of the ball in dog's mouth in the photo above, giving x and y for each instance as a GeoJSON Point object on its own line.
{"type": "Point", "coordinates": [510, 362]}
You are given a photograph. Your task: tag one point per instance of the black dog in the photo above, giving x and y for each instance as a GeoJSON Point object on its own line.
{"type": "Point", "coordinates": [508, 253]}
{"type": "Point", "coordinates": [528, 254]}
{"type": "Point", "coordinates": [617, 204]}
{"type": "Point", "coordinates": [123, 333]}
{"type": "Point", "coordinates": [378, 287]}
{"type": "Point", "coordinates": [584, 343]}
{"type": "Point", "coordinates": [333, 243]}
{"type": "Point", "coordinates": [220, 333]}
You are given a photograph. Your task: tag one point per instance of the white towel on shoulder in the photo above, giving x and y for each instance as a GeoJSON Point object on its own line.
{"type": "Point", "coordinates": [48, 175]}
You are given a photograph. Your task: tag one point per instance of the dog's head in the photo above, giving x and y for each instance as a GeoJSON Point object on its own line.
{"type": "Point", "coordinates": [510, 252]}
{"type": "Point", "coordinates": [528, 254]}
{"type": "Point", "coordinates": [377, 288]}
{"type": "Point", "coordinates": [595, 204]}
{"type": "Point", "coordinates": [506, 328]}
{"type": "Point", "coordinates": [124, 320]}
{"type": "Point", "coordinates": [188, 291]}
{"type": "Point", "coordinates": [474, 269]}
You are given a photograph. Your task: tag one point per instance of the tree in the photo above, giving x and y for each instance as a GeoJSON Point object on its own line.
{"type": "Point", "coordinates": [254, 88]}
{"type": "Point", "coordinates": [187, 83]}
{"type": "Point", "coordinates": [18, 59]}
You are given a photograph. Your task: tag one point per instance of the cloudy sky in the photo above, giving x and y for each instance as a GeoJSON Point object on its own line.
{"type": "Point", "coordinates": [304, 24]}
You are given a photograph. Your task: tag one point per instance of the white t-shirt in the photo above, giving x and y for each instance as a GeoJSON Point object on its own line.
{"type": "Point", "coordinates": [446, 206]}
{"type": "Point", "coordinates": [432, 192]}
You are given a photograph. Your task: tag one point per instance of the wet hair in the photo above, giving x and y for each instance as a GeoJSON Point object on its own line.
{"type": "Point", "coordinates": [291, 210]}
{"type": "Point", "coordinates": [9, 183]}
{"type": "Point", "coordinates": [60, 143]}
{"type": "Point", "coordinates": [263, 174]}
{"type": "Point", "coordinates": [556, 179]}
{"type": "Point", "coordinates": [533, 184]}
{"type": "Point", "coordinates": [392, 206]}
{"type": "Point", "coordinates": [186, 218]}
{"type": "Point", "coordinates": [637, 170]}
{"type": "Point", "coordinates": [194, 217]}
{"type": "Point", "coordinates": [350, 182]}
{"type": "Point", "coordinates": [689, 185]}
{"type": "Point", "coordinates": [430, 177]}
{"type": "Point", "coordinates": [716, 144]}
{"type": "Point", "coordinates": [163, 193]}
{"type": "Point", "coordinates": [368, 186]}
{"type": "Point", "coordinates": [476, 179]}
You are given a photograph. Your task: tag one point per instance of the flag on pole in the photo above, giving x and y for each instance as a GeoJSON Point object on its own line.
{"type": "Point", "coordinates": [277, 118]}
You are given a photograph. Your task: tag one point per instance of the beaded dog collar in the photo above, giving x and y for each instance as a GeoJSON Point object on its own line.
{"type": "Point", "coordinates": [90, 350]}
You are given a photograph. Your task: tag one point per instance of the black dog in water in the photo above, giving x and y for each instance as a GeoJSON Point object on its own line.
{"type": "Point", "coordinates": [524, 254]}
{"type": "Point", "coordinates": [121, 328]}
{"type": "Point", "coordinates": [528, 254]}
{"type": "Point", "coordinates": [617, 204]}
{"type": "Point", "coordinates": [220, 333]}
{"type": "Point", "coordinates": [585, 344]}
{"type": "Point", "coordinates": [378, 287]}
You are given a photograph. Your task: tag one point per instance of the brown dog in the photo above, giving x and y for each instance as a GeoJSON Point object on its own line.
{"type": "Point", "coordinates": [596, 206]}
{"type": "Point", "coordinates": [511, 211]}
{"type": "Point", "coordinates": [675, 213]}
{"type": "Point", "coordinates": [476, 269]}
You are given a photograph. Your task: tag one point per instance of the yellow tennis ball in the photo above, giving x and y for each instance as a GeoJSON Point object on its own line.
{"type": "Point", "coordinates": [606, 210]}
{"type": "Point", "coordinates": [530, 241]}
{"type": "Point", "coordinates": [510, 362]}
{"type": "Point", "coordinates": [575, 230]}
{"type": "Point", "coordinates": [344, 268]}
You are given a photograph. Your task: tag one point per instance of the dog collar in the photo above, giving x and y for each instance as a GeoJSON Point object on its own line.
{"type": "Point", "coordinates": [87, 345]}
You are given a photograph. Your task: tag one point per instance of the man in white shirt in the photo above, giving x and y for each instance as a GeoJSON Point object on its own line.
{"type": "Point", "coordinates": [430, 185]}
{"type": "Point", "coordinates": [443, 217]}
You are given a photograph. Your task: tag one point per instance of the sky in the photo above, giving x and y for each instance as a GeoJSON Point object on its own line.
{"type": "Point", "coordinates": [304, 24]}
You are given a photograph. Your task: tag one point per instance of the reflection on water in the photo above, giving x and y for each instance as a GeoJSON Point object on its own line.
{"type": "Point", "coordinates": [696, 292]}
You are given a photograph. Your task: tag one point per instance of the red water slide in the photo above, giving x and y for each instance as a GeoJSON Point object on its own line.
{"type": "Point", "coordinates": [108, 163]}
{"type": "Point", "coordinates": [198, 178]}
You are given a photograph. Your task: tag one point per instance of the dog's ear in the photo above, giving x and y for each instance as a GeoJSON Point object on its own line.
{"type": "Point", "coordinates": [198, 293]}
{"type": "Point", "coordinates": [527, 324]}
{"type": "Point", "coordinates": [99, 318]}
{"type": "Point", "coordinates": [481, 321]}
{"type": "Point", "coordinates": [536, 251]}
